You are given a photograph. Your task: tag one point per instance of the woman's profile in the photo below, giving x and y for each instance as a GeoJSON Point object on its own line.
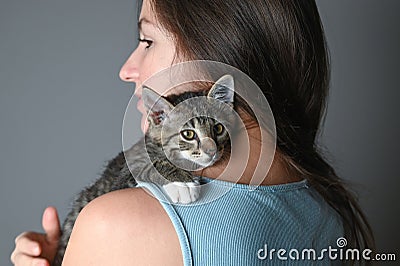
{"type": "Point", "coordinates": [301, 203]}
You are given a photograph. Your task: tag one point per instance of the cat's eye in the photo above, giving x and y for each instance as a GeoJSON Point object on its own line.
{"type": "Point", "coordinates": [188, 134]}
{"type": "Point", "coordinates": [218, 129]}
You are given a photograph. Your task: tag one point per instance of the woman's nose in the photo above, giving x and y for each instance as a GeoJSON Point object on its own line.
{"type": "Point", "coordinates": [129, 71]}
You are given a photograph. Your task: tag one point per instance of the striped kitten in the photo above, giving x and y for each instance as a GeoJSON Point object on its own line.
{"type": "Point", "coordinates": [198, 143]}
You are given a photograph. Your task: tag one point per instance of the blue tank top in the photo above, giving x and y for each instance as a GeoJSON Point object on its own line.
{"type": "Point", "coordinates": [288, 224]}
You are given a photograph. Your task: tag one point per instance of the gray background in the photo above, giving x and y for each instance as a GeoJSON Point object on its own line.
{"type": "Point", "coordinates": [62, 104]}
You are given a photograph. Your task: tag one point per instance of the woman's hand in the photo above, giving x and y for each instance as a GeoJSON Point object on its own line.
{"type": "Point", "coordinates": [33, 248]}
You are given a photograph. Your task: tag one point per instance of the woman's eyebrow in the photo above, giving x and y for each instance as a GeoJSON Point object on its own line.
{"type": "Point", "coordinates": [141, 21]}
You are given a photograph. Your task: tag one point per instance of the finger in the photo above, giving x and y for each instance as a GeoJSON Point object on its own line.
{"type": "Point", "coordinates": [51, 224]}
{"type": "Point", "coordinates": [28, 234]}
{"type": "Point", "coordinates": [23, 259]}
{"type": "Point", "coordinates": [24, 234]}
{"type": "Point", "coordinates": [28, 243]}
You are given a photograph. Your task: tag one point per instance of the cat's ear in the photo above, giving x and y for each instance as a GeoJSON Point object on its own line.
{"type": "Point", "coordinates": [223, 90]}
{"type": "Point", "coordinates": [156, 106]}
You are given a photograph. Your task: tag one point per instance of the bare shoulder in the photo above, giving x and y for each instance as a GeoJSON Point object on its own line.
{"type": "Point", "coordinates": [123, 227]}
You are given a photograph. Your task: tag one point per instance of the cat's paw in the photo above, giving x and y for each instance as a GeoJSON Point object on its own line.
{"type": "Point", "coordinates": [183, 192]}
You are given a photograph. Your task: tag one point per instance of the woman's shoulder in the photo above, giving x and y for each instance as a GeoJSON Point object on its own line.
{"type": "Point", "coordinates": [122, 227]}
{"type": "Point", "coordinates": [121, 206]}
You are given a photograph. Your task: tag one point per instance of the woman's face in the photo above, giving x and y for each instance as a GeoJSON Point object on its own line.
{"type": "Point", "coordinates": [155, 51]}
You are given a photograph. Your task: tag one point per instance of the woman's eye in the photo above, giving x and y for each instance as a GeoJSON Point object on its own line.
{"type": "Point", "coordinates": [148, 42]}
{"type": "Point", "coordinates": [188, 134]}
{"type": "Point", "coordinates": [218, 128]}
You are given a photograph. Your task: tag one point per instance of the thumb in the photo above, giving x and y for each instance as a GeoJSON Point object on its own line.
{"type": "Point", "coordinates": [51, 224]}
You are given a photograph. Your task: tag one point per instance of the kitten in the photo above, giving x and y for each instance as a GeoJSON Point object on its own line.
{"type": "Point", "coordinates": [199, 143]}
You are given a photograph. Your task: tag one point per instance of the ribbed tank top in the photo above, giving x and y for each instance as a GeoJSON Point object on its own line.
{"type": "Point", "coordinates": [242, 226]}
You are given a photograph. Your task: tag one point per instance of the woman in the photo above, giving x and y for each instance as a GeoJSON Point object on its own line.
{"type": "Point", "coordinates": [281, 46]}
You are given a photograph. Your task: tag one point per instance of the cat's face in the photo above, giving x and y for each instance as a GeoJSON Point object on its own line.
{"type": "Point", "coordinates": [202, 140]}
{"type": "Point", "coordinates": [192, 134]}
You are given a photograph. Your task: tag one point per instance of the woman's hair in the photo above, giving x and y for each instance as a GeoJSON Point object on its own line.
{"type": "Point", "coordinates": [282, 47]}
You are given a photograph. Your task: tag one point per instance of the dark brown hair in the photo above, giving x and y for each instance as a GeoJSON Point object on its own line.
{"type": "Point", "coordinates": [281, 46]}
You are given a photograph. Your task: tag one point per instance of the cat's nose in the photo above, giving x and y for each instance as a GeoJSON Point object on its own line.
{"type": "Point", "coordinates": [208, 146]}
